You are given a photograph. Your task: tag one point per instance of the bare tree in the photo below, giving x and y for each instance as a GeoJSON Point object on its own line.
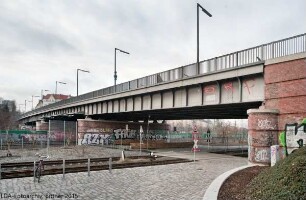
{"type": "Point", "coordinates": [8, 121]}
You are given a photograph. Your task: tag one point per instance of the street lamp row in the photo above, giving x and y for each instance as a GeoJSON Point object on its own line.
{"type": "Point", "coordinates": [56, 83]}
{"type": "Point", "coordinates": [59, 82]}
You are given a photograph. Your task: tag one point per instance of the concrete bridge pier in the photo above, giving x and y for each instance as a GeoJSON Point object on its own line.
{"type": "Point", "coordinates": [262, 134]}
{"type": "Point", "coordinates": [41, 125]}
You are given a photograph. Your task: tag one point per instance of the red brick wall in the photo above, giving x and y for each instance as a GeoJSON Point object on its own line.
{"type": "Point", "coordinates": [285, 71]}
{"type": "Point", "coordinates": [285, 90]}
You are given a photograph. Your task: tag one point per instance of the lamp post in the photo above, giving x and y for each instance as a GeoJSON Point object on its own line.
{"type": "Point", "coordinates": [115, 72]}
{"type": "Point", "coordinates": [56, 85]}
{"type": "Point", "coordinates": [198, 39]}
{"type": "Point", "coordinates": [42, 93]}
{"type": "Point", "coordinates": [78, 79]}
{"type": "Point", "coordinates": [25, 105]}
{"type": "Point", "coordinates": [33, 99]}
{"type": "Point", "coordinates": [19, 107]}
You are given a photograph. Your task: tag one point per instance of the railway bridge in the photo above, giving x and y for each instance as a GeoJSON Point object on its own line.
{"type": "Point", "coordinates": [266, 84]}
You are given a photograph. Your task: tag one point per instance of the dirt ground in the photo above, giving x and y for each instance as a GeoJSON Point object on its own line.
{"type": "Point", "coordinates": [235, 186]}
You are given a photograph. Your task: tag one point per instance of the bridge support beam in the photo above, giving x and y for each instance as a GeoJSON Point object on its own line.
{"type": "Point", "coordinates": [262, 134]}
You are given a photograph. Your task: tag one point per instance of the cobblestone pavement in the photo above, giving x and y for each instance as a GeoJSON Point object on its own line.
{"type": "Point", "coordinates": [175, 181]}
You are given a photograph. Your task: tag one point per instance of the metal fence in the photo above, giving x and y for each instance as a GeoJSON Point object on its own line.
{"type": "Point", "coordinates": [284, 47]}
{"type": "Point", "coordinates": [60, 133]}
{"type": "Point", "coordinates": [233, 140]}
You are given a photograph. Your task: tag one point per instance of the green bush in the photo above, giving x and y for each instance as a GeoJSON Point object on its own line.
{"type": "Point", "coordinates": [286, 180]}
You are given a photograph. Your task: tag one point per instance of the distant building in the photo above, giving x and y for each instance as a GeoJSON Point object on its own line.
{"type": "Point", "coordinates": [51, 98]}
{"type": "Point", "coordinates": [9, 103]}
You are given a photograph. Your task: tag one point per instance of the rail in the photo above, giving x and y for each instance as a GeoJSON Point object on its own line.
{"type": "Point", "coordinates": [284, 47]}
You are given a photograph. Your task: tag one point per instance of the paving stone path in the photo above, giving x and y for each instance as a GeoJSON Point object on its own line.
{"type": "Point", "coordinates": [174, 181]}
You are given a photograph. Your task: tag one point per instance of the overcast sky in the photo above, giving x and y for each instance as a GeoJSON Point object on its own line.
{"type": "Point", "coordinates": [45, 41]}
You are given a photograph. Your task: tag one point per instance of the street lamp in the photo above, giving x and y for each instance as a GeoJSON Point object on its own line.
{"type": "Point", "coordinates": [56, 85]}
{"type": "Point", "coordinates": [25, 105]}
{"type": "Point", "coordinates": [42, 93]}
{"type": "Point", "coordinates": [33, 98]}
{"type": "Point", "coordinates": [207, 13]}
{"type": "Point", "coordinates": [115, 73]}
{"type": "Point", "coordinates": [19, 107]}
{"type": "Point", "coordinates": [78, 79]}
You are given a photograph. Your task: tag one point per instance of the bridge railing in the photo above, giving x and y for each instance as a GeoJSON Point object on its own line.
{"type": "Point", "coordinates": [284, 47]}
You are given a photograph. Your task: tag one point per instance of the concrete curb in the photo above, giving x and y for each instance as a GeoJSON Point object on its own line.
{"type": "Point", "coordinates": [213, 189]}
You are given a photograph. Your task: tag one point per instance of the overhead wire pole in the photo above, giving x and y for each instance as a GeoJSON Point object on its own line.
{"type": "Point", "coordinates": [56, 85]}
{"type": "Point", "coordinates": [115, 71]}
{"type": "Point", "coordinates": [25, 105]}
{"type": "Point", "coordinates": [42, 92]}
{"type": "Point", "coordinates": [78, 79]}
{"type": "Point", "coordinates": [148, 133]}
{"type": "Point", "coordinates": [48, 138]}
{"type": "Point", "coordinates": [198, 37]}
{"type": "Point", "coordinates": [33, 99]}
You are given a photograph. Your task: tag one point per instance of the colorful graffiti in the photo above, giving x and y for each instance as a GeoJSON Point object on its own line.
{"type": "Point", "coordinates": [210, 93]}
{"type": "Point", "coordinates": [130, 134]}
{"type": "Point", "coordinates": [229, 90]}
{"type": "Point", "coordinates": [106, 137]}
{"type": "Point", "coordinates": [249, 84]}
{"type": "Point", "coordinates": [266, 124]}
{"type": "Point", "coordinates": [96, 138]}
{"type": "Point", "coordinates": [265, 139]}
{"type": "Point", "coordinates": [262, 155]}
{"type": "Point", "coordinates": [293, 137]}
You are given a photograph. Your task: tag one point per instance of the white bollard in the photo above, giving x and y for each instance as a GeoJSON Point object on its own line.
{"type": "Point", "coordinates": [63, 168]}
{"type": "Point", "coordinates": [274, 154]}
{"type": "Point", "coordinates": [88, 166]}
{"type": "Point", "coordinates": [110, 165]}
{"type": "Point", "coordinates": [122, 155]}
{"type": "Point", "coordinates": [34, 170]}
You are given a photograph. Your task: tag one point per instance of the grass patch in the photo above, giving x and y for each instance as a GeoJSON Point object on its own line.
{"type": "Point", "coordinates": [286, 180]}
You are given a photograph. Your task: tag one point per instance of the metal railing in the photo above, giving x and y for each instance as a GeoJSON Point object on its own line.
{"type": "Point", "coordinates": [284, 47]}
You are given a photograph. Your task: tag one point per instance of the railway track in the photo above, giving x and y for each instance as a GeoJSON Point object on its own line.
{"type": "Point", "coordinates": [25, 169]}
